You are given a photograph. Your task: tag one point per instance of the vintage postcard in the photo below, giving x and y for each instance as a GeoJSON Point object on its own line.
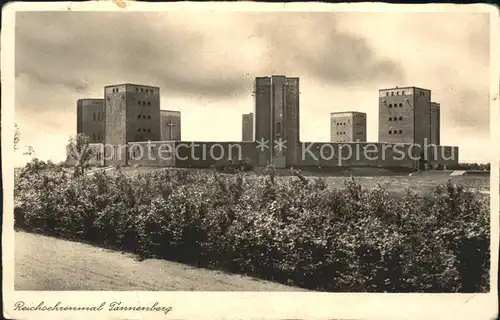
{"type": "Point", "coordinates": [249, 160]}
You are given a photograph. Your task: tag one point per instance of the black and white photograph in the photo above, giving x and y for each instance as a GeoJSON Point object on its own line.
{"type": "Point", "coordinates": [276, 161]}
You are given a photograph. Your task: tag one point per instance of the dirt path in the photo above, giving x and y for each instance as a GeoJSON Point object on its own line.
{"type": "Point", "coordinates": [44, 263]}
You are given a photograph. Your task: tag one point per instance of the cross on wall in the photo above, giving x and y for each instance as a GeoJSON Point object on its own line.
{"type": "Point", "coordinates": [170, 125]}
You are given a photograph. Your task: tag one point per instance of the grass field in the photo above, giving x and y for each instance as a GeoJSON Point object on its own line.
{"type": "Point", "coordinates": [418, 183]}
{"type": "Point", "coordinates": [395, 184]}
{"type": "Point", "coordinates": [84, 267]}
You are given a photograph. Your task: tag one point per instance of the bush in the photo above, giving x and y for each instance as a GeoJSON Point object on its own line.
{"type": "Point", "coordinates": [234, 166]}
{"type": "Point", "coordinates": [296, 231]}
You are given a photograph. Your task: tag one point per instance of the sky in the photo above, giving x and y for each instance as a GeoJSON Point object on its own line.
{"type": "Point", "coordinates": [205, 65]}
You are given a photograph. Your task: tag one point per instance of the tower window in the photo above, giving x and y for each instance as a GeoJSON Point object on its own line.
{"type": "Point", "coordinates": [142, 90]}
{"type": "Point", "coordinates": [390, 132]}
{"type": "Point", "coordinates": [387, 94]}
{"type": "Point", "coordinates": [400, 131]}
{"type": "Point", "coordinates": [149, 103]}
{"type": "Point", "coordinates": [400, 105]}
{"type": "Point", "coordinates": [149, 117]}
{"type": "Point", "coordinates": [278, 127]}
{"type": "Point", "coordinates": [390, 118]}
{"type": "Point", "coordinates": [139, 130]}
{"type": "Point", "coordinates": [94, 116]}
{"type": "Point", "coordinates": [390, 105]}
{"type": "Point", "coordinates": [149, 130]}
{"type": "Point", "coordinates": [136, 89]}
{"type": "Point", "coordinates": [138, 116]}
{"type": "Point", "coordinates": [400, 118]}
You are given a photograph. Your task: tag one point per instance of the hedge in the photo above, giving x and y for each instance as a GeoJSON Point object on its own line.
{"type": "Point", "coordinates": [295, 231]}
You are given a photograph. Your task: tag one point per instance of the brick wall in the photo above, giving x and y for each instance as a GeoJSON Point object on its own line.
{"type": "Point", "coordinates": [170, 125]}
{"type": "Point", "coordinates": [357, 154]}
{"type": "Point", "coordinates": [160, 153]}
{"type": "Point", "coordinates": [442, 155]}
{"type": "Point", "coordinates": [206, 154]}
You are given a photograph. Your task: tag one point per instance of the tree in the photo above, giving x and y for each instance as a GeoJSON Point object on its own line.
{"type": "Point", "coordinates": [30, 151]}
{"type": "Point", "coordinates": [17, 136]}
{"type": "Point", "coordinates": [80, 150]}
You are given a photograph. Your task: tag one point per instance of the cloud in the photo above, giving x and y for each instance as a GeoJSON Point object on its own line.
{"type": "Point", "coordinates": [82, 49]}
{"type": "Point", "coordinates": [71, 49]}
{"type": "Point", "coordinates": [205, 65]}
{"type": "Point", "coordinates": [313, 44]}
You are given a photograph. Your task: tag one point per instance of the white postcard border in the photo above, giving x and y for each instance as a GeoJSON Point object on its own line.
{"type": "Point", "coordinates": [248, 305]}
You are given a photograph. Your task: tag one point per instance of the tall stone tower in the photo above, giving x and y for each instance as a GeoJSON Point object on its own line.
{"type": "Point", "coordinates": [247, 127]}
{"type": "Point", "coordinates": [277, 120]}
{"type": "Point", "coordinates": [348, 126]}
{"type": "Point", "coordinates": [405, 115]}
{"type": "Point", "coordinates": [435, 123]}
{"type": "Point", "coordinates": [90, 119]}
{"type": "Point", "coordinates": [132, 115]}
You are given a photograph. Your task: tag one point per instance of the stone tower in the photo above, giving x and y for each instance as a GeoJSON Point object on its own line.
{"type": "Point", "coordinates": [247, 127]}
{"type": "Point", "coordinates": [405, 115]}
{"type": "Point", "coordinates": [90, 119]}
{"type": "Point", "coordinates": [277, 120]}
{"type": "Point", "coordinates": [132, 115]}
{"type": "Point", "coordinates": [435, 123]}
{"type": "Point", "coordinates": [348, 126]}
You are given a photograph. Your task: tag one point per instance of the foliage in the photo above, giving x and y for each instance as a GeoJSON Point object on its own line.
{"type": "Point", "coordinates": [30, 151]}
{"type": "Point", "coordinates": [297, 231]}
{"type": "Point", "coordinates": [80, 150]}
{"type": "Point", "coordinates": [17, 136]}
{"type": "Point", "coordinates": [235, 166]}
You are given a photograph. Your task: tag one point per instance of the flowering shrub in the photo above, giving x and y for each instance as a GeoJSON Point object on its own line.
{"type": "Point", "coordinates": [297, 231]}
